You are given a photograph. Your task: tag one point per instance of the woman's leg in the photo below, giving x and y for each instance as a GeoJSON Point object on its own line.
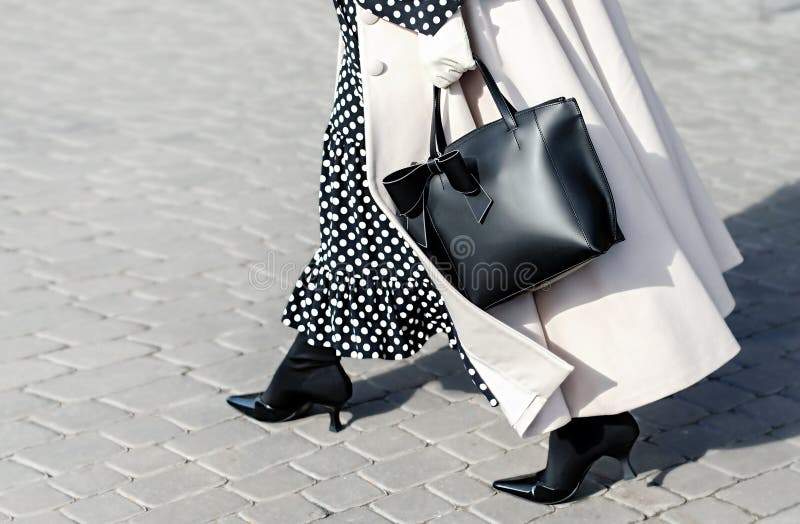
{"type": "Point", "coordinates": [306, 376]}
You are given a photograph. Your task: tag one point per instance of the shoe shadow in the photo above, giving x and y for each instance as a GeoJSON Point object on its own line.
{"type": "Point", "coordinates": [381, 386]}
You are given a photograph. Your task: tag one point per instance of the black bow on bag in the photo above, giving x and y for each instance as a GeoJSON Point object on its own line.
{"type": "Point", "coordinates": [511, 206]}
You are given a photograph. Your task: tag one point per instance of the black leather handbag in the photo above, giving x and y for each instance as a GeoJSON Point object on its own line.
{"type": "Point", "coordinates": [511, 206]}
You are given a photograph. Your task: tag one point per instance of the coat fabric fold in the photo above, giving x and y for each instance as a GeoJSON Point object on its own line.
{"type": "Point", "coordinates": [642, 321]}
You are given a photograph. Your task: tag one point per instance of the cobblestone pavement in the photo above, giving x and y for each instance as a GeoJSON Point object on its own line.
{"type": "Point", "coordinates": [158, 159]}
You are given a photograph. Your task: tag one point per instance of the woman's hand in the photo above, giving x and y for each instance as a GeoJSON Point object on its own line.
{"type": "Point", "coordinates": [446, 55]}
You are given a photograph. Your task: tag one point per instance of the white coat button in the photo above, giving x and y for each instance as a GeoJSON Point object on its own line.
{"type": "Point", "coordinates": [374, 67]}
{"type": "Point", "coordinates": [368, 17]}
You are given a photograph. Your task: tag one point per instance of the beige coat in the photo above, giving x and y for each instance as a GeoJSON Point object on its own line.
{"type": "Point", "coordinates": [641, 322]}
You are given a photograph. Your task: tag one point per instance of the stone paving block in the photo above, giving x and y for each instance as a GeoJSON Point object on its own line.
{"type": "Point", "coordinates": [115, 304]}
{"type": "Point", "coordinates": [202, 507]}
{"type": "Point", "coordinates": [330, 462]}
{"type": "Point", "coordinates": [43, 318]}
{"type": "Point", "coordinates": [235, 373]}
{"type": "Point", "coordinates": [440, 362]}
{"type": "Point", "coordinates": [17, 404]}
{"type": "Point", "coordinates": [789, 516]}
{"type": "Point", "coordinates": [29, 371]}
{"type": "Point", "coordinates": [766, 494]}
{"type": "Point", "coordinates": [450, 421]}
{"type": "Point", "coordinates": [318, 431]}
{"type": "Point", "coordinates": [292, 508]}
{"type": "Point", "coordinates": [143, 430]}
{"type": "Point", "coordinates": [706, 511]}
{"type": "Point", "coordinates": [43, 518]}
{"type": "Point", "coordinates": [15, 436]}
{"type": "Point", "coordinates": [505, 509]}
{"type": "Point", "coordinates": [375, 414]}
{"type": "Point", "coordinates": [470, 448]}
{"type": "Point", "coordinates": [411, 469]}
{"type": "Point", "coordinates": [715, 396]}
{"type": "Point", "coordinates": [460, 490]}
{"type": "Point", "coordinates": [364, 391]}
{"type": "Point", "coordinates": [737, 426]}
{"type": "Point", "coordinates": [102, 509]}
{"type": "Point", "coordinates": [792, 392]}
{"type": "Point", "coordinates": [88, 356]}
{"type": "Point", "coordinates": [222, 436]}
{"type": "Point", "coordinates": [29, 346]}
{"type": "Point", "coordinates": [356, 516]}
{"type": "Point", "coordinates": [77, 417]}
{"type": "Point", "coordinates": [789, 433]}
{"type": "Point", "coordinates": [230, 519]}
{"type": "Point", "coordinates": [251, 458]}
{"type": "Point", "coordinates": [342, 493]}
{"type": "Point", "coordinates": [454, 388]}
{"type": "Point", "coordinates": [416, 401]}
{"type": "Point", "coordinates": [99, 287]}
{"type": "Point", "coordinates": [458, 517]}
{"type": "Point", "coordinates": [646, 456]}
{"type": "Point", "coordinates": [88, 481]}
{"type": "Point", "coordinates": [400, 377]}
{"type": "Point", "coordinates": [253, 340]}
{"type": "Point", "coordinates": [160, 394]}
{"type": "Point", "coordinates": [144, 461]}
{"type": "Point", "coordinates": [384, 443]}
{"type": "Point", "coordinates": [642, 497]}
{"type": "Point", "coordinates": [198, 354]}
{"type": "Point", "coordinates": [200, 413]}
{"type": "Point", "coordinates": [412, 506]}
{"type": "Point", "coordinates": [271, 483]}
{"type": "Point", "coordinates": [764, 379]}
{"type": "Point", "coordinates": [61, 456]}
{"type": "Point", "coordinates": [752, 458]}
{"type": "Point", "coordinates": [731, 367]}
{"type": "Point", "coordinates": [695, 480]}
{"type": "Point", "coordinates": [520, 461]}
{"type": "Point", "coordinates": [13, 474]}
{"type": "Point", "coordinates": [594, 509]}
{"type": "Point", "coordinates": [175, 289]}
{"type": "Point", "coordinates": [93, 331]}
{"type": "Point", "coordinates": [181, 332]}
{"type": "Point", "coordinates": [670, 412]}
{"type": "Point", "coordinates": [31, 499]}
{"type": "Point", "coordinates": [184, 308]}
{"type": "Point", "coordinates": [98, 382]}
{"type": "Point", "coordinates": [170, 485]}
{"type": "Point", "coordinates": [692, 441]}
{"type": "Point", "coordinates": [23, 300]}
{"type": "Point", "coordinates": [775, 409]}
{"type": "Point", "coordinates": [503, 435]}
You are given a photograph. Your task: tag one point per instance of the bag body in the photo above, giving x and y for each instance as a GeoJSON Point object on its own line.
{"type": "Point", "coordinates": [512, 205]}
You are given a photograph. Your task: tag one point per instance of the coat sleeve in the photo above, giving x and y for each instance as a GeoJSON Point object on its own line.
{"type": "Point", "coordinates": [422, 16]}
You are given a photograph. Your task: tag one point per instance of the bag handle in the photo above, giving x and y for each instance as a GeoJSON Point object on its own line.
{"type": "Point", "coordinates": [507, 111]}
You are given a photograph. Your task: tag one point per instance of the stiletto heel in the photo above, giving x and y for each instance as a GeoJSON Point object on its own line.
{"type": "Point", "coordinates": [624, 457]}
{"type": "Point", "coordinates": [628, 473]}
{"type": "Point", "coordinates": [336, 422]}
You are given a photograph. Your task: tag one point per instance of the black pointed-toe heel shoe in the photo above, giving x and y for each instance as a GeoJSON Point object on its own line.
{"type": "Point", "coordinates": [573, 449]}
{"type": "Point", "coordinates": [252, 406]}
{"type": "Point", "coordinates": [305, 377]}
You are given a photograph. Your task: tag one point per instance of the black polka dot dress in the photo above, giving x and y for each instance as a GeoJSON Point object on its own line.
{"type": "Point", "coordinates": [365, 294]}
